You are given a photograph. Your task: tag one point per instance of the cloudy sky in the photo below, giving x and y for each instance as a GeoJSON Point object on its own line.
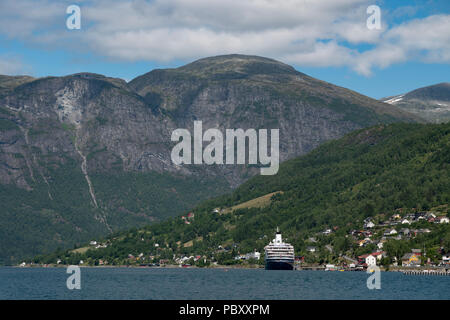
{"type": "Point", "coordinates": [327, 39]}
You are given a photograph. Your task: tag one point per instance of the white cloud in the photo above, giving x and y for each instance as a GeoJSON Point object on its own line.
{"type": "Point", "coordinates": [301, 32]}
{"type": "Point", "coordinates": [23, 18]}
{"type": "Point", "coordinates": [425, 40]}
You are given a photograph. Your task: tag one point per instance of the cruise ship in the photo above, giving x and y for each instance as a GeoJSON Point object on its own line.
{"type": "Point", "coordinates": [279, 255]}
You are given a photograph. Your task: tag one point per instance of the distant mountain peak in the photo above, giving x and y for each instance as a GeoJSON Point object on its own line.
{"type": "Point", "coordinates": [440, 91]}
{"type": "Point", "coordinates": [431, 103]}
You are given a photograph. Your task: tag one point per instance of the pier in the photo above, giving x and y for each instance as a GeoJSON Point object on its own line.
{"type": "Point", "coordinates": [315, 268]}
{"type": "Point", "coordinates": [430, 272]}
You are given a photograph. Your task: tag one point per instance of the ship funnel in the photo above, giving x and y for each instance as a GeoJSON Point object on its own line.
{"type": "Point", "coordinates": [278, 238]}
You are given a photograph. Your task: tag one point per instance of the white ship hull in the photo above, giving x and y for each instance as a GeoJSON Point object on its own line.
{"type": "Point", "coordinates": [279, 255]}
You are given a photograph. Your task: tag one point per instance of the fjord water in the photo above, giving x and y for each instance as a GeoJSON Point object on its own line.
{"type": "Point", "coordinates": [160, 283]}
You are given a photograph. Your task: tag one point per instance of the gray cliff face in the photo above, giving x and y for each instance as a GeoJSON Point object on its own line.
{"type": "Point", "coordinates": [252, 92]}
{"type": "Point", "coordinates": [101, 144]}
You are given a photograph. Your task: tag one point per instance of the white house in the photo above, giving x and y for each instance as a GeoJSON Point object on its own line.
{"type": "Point", "coordinates": [390, 232]}
{"type": "Point", "coordinates": [371, 260]}
{"type": "Point", "coordinates": [406, 221]}
{"type": "Point", "coordinates": [253, 255]}
{"type": "Point", "coordinates": [369, 225]}
{"type": "Point", "coordinates": [444, 220]}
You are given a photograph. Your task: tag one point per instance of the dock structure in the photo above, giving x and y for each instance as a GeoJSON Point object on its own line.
{"type": "Point", "coordinates": [315, 268]}
{"type": "Point", "coordinates": [430, 272]}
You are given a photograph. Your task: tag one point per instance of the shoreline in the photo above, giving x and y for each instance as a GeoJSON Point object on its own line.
{"type": "Point", "coordinates": [404, 270]}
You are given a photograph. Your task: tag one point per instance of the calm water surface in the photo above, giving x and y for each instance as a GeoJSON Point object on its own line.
{"type": "Point", "coordinates": [159, 283]}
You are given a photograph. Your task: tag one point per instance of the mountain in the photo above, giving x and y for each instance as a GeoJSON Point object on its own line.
{"type": "Point", "coordinates": [431, 103]}
{"type": "Point", "coordinates": [86, 155]}
{"type": "Point", "coordinates": [370, 173]}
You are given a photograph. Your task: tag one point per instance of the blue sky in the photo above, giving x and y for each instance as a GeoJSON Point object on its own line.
{"type": "Point", "coordinates": [326, 40]}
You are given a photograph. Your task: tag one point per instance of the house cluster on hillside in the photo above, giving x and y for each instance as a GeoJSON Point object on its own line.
{"type": "Point", "coordinates": [98, 245]}
{"type": "Point", "coordinates": [377, 231]}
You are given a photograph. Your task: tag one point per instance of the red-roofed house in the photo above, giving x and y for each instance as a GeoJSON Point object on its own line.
{"type": "Point", "coordinates": [371, 258]}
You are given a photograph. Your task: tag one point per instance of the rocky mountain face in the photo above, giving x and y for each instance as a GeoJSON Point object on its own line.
{"type": "Point", "coordinates": [431, 103]}
{"type": "Point", "coordinates": [84, 155]}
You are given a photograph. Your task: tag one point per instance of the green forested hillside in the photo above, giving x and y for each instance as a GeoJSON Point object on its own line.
{"type": "Point", "coordinates": [32, 222]}
{"type": "Point", "coordinates": [369, 173]}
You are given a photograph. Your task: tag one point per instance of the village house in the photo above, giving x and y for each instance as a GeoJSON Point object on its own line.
{"type": "Point", "coordinates": [420, 216]}
{"type": "Point", "coordinates": [371, 258]}
{"type": "Point", "coordinates": [390, 232]}
{"type": "Point", "coordinates": [411, 260]}
{"type": "Point", "coordinates": [253, 255]}
{"type": "Point", "coordinates": [443, 219]}
{"type": "Point", "coordinates": [380, 244]}
{"type": "Point", "coordinates": [431, 215]}
{"type": "Point", "coordinates": [311, 249]}
{"type": "Point", "coordinates": [405, 231]}
{"type": "Point", "coordinates": [369, 225]}
{"type": "Point", "coordinates": [446, 258]}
